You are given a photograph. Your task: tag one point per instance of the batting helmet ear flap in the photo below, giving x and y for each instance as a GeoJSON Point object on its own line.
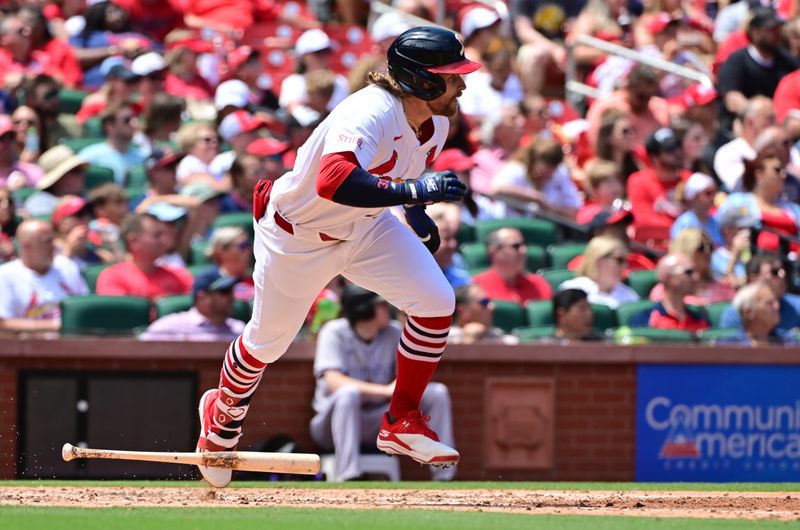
{"type": "Point", "coordinates": [418, 82]}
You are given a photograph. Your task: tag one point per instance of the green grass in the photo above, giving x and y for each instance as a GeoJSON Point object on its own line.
{"type": "Point", "coordinates": [24, 518]}
{"type": "Point", "coordinates": [587, 486]}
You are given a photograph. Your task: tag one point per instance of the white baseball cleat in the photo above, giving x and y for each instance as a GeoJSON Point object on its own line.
{"type": "Point", "coordinates": [411, 436]}
{"type": "Point", "coordinates": [216, 476]}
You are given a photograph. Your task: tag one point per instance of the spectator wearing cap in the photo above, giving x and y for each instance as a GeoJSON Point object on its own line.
{"type": "Point", "coordinates": [230, 96]}
{"type": "Point", "coordinates": [19, 57]}
{"type": "Point", "coordinates": [108, 205]}
{"type": "Point", "coordinates": [64, 174]}
{"type": "Point", "coordinates": [537, 175]}
{"type": "Point", "coordinates": [270, 151]}
{"type": "Point", "coordinates": [199, 142]}
{"type": "Point", "coordinates": [768, 268]}
{"type": "Point", "coordinates": [676, 273]}
{"type": "Point", "coordinates": [756, 69]}
{"type": "Point", "coordinates": [506, 278]}
{"type": "Point", "coordinates": [727, 263]}
{"type": "Point", "coordinates": [208, 319]}
{"type": "Point", "coordinates": [698, 195]}
{"type": "Point", "coordinates": [758, 310]}
{"type": "Point", "coordinates": [107, 33]}
{"type": "Point", "coordinates": [488, 90]}
{"type": "Point", "coordinates": [183, 79]}
{"type": "Point", "coordinates": [698, 103]}
{"type": "Point", "coordinates": [162, 183]}
{"type": "Point", "coordinates": [573, 318]}
{"type": "Point", "coordinates": [239, 129]}
{"type": "Point", "coordinates": [203, 203]}
{"type": "Point", "coordinates": [231, 252]}
{"type": "Point", "coordinates": [175, 242]}
{"type": "Point", "coordinates": [601, 272]}
{"type": "Point", "coordinates": [152, 72]}
{"type": "Point", "coordinates": [652, 190]}
{"type": "Point", "coordinates": [73, 239]}
{"type": "Point", "coordinates": [139, 275]}
{"type": "Point", "coordinates": [500, 136]}
{"type": "Point", "coordinates": [34, 284]}
{"type": "Point", "coordinates": [161, 121]}
{"type": "Point", "coordinates": [473, 320]}
{"type": "Point", "coordinates": [244, 64]}
{"type": "Point", "coordinates": [117, 153]}
{"type": "Point", "coordinates": [647, 111]}
{"type": "Point", "coordinates": [385, 29]}
{"type": "Point", "coordinates": [695, 245]}
{"type": "Point", "coordinates": [729, 162]}
{"type": "Point", "coordinates": [478, 25]}
{"type": "Point", "coordinates": [603, 187]}
{"type": "Point", "coordinates": [119, 87]}
{"type": "Point", "coordinates": [763, 184]}
{"type": "Point", "coordinates": [14, 174]}
{"type": "Point", "coordinates": [313, 52]}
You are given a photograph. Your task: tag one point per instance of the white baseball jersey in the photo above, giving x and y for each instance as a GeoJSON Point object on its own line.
{"type": "Point", "coordinates": [372, 125]}
{"type": "Point", "coordinates": [26, 294]}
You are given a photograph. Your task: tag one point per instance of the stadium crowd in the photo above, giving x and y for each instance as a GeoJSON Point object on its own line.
{"type": "Point", "coordinates": [656, 207]}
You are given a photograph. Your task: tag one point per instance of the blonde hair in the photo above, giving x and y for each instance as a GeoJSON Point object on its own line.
{"type": "Point", "coordinates": [687, 241]}
{"type": "Point", "coordinates": [222, 237]}
{"type": "Point", "coordinates": [188, 134]}
{"type": "Point", "coordinates": [599, 171]}
{"type": "Point", "coordinates": [386, 82]}
{"type": "Point", "coordinates": [598, 247]}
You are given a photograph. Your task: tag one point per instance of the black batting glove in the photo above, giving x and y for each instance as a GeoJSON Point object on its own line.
{"type": "Point", "coordinates": [435, 186]}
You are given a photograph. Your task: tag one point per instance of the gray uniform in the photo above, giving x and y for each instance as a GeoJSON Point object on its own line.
{"type": "Point", "coordinates": [344, 420]}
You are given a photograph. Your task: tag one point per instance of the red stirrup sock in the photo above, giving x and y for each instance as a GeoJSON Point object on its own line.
{"type": "Point", "coordinates": [418, 354]}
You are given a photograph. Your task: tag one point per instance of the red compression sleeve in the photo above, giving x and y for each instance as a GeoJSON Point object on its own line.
{"type": "Point", "coordinates": [333, 169]}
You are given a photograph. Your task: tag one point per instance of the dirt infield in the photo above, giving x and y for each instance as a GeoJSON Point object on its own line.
{"type": "Point", "coordinates": [723, 505]}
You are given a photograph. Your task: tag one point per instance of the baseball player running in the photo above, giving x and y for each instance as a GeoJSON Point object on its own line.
{"type": "Point", "coordinates": [329, 216]}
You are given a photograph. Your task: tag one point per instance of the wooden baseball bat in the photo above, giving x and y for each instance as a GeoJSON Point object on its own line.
{"type": "Point", "coordinates": [295, 463]}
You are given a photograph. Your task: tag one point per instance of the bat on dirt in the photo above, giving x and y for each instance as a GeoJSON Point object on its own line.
{"type": "Point", "coordinates": [295, 463]}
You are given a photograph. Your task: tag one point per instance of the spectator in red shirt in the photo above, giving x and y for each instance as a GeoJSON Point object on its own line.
{"type": "Point", "coordinates": [652, 190]}
{"type": "Point", "coordinates": [140, 276]}
{"type": "Point", "coordinates": [183, 79]}
{"type": "Point", "coordinates": [507, 279]}
{"type": "Point", "coordinates": [679, 278]}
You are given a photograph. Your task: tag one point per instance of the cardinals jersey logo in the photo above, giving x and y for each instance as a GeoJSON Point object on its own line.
{"type": "Point", "coordinates": [430, 156]}
{"type": "Point", "coordinates": [386, 167]}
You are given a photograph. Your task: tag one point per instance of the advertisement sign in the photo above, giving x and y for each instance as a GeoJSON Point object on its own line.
{"type": "Point", "coordinates": [718, 423]}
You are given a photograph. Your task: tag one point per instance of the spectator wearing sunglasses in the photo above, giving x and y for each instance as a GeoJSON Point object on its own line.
{"type": "Point", "coordinates": [694, 244]}
{"type": "Point", "coordinates": [473, 321]}
{"type": "Point", "coordinates": [679, 278]}
{"type": "Point", "coordinates": [117, 152]}
{"type": "Point", "coordinates": [698, 195]}
{"type": "Point", "coordinates": [506, 278]}
{"type": "Point", "coordinates": [767, 267]}
{"type": "Point", "coordinates": [41, 94]}
{"type": "Point", "coordinates": [601, 272]}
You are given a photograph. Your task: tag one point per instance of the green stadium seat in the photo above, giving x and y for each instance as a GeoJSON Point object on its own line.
{"type": "Point", "coordinates": [136, 180]}
{"type": "Point", "coordinates": [70, 101]}
{"type": "Point", "coordinates": [198, 268]}
{"type": "Point", "coordinates": [465, 234]}
{"type": "Point", "coordinates": [561, 255]}
{"type": "Point", "coordinates": [197, 254]}
{"type": "Point", "coordinates": [642, 281]}
{"type": "Point", "coordinates": [713, 335]}
{"type": "Point", "coordinates": [537, 258]}
{"type": "Point", "coordinates": [97, 176]}
{"type": "Point", "coordinates": [21, 194]}
{"type": "Point", "coordinates": [533, 334]}
{"type": "Point", "coordinates": [76, 144]}
{"type": "Point", "coordinates": [535, 231]}
{"type": "Point", "coordinates": [540, 313]}
{"type": "Point", "coordinates": [104, 315]}
{"type": "Point", "coordinates": [556, 277]}
{"type": "Point", "coordinates": [508, 315]}
{"type": "Point", "coordinates": [475, 255]}
{"type": "Point", "coordinates": [627, 311]}
{"type": "Point", "coordinates": [604, 317]}
{"type": "Point", "coordinates": [714, 313]}
{"type": "Point", "coordinates": [93, 128]}
{"type": "Point", "coordinates": [90, 274]}
{"type": "Point", "coordinates": [240, 219]}
{"type": "Point", "coordinates": [663, 335]}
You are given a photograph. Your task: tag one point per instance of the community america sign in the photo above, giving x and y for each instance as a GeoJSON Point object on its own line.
{"type": "Point", "coordinates": [718, 423]}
